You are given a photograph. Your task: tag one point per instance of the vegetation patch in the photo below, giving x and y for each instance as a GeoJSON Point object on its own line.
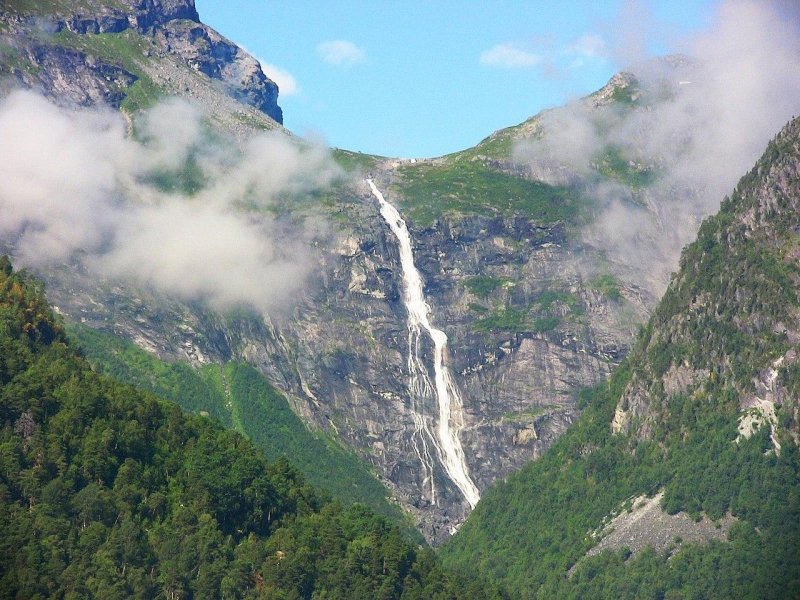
{"type": "Point", "coordinates": [545, 324]}
{"type": "Point", "coordinates": [626, 95]}
{"type": "Point", "coordinates": [239, 397]}
{"type": "Point", "coordinates": [468, 188]}
{"type": "Point", "coordinates": [356, 161]}
{"type": "Point", "coordinates": [528, 415]}
{"type": "Point", "coordinates": [547, 299]}
{"type": "Point", "coordinates": [516, 320]}
{"type": "Point", "coordinates": [498, 146]}
{"type": "Point", "coordinates": [478, 308]}
{"type": "Point", "coordinates": [613, 164]}
{"type": "Point", "coordinates": [143, 94]}
{"type": "Point", "coordinates": [188, 179]}
{"type": "Point", "coordinates": [607, 285]}
{"type": "Point", "coordinates": [483, 285]}
{"type": "Point", "coordinates": [12, 58]}
{"type": "Point", "coordinates": [504, 319]}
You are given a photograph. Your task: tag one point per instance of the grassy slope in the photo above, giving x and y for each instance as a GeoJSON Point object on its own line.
{"type": "Point", "coordinates": [738, 283]}
{"type": "Point", "coordinates": [239, 397]}
{"type": "Point", "coordinates": [459, 187]}
{"type": "Point", "coordinates": [477, 180]}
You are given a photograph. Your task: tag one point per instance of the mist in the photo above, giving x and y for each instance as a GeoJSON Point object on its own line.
{"type": "Point", "coordinates": [699, 122]}
{"type": "Point", "coordinates": [175, 208]}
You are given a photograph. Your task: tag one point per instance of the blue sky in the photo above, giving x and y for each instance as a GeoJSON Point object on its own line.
{"type": "Point", "coordinates": [418, 79]}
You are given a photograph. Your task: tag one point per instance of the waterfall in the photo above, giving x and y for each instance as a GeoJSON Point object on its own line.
{"type": "Point", "coordinates": [445, 439]}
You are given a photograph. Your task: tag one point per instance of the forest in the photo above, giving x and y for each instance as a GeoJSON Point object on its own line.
{"type": "Point", "coordinates": [107, 491]}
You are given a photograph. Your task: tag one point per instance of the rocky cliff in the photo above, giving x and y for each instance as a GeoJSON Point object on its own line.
{"type": "Point", "coordinates": [533, 313]}
{"type": "Point", "coordinates": [104, 53]}
{"type": "Point", "coordinates": [342, 353]}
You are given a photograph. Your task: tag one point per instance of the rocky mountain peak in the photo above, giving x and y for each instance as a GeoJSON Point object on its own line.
{"type": "Point", "coordinates": [150, 13]}
{"type": "Point", "coordinates": [153, 41]}
{"type": "Point", "coordinates": [142, 15]}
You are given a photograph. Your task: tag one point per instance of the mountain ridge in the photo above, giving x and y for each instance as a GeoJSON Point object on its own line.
{"type": "Point", "coordinates": [128, 52]}
{"type": "Point", "coordinates": [681, 438]}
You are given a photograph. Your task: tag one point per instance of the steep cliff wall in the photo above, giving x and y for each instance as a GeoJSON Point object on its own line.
{"type": "Point", "coordinates": [533, 315]}
{"type": "Point", "coordinates": [341, 352]}
{"type": "Point", "coordinates": [94, 52]}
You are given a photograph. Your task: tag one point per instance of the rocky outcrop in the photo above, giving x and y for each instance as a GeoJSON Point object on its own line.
{"type": "Point", "coordinates": [69, 69]}
{"type": "Point", "coordinates": [98, 17]}
{"type": "Point", "coordinates": [645, 525]}
{"type": "Point", "coordinates": [75, 78]}
{"type": "Point", "coordinates": [206, 51]}
{"type": "Point", "coordinates": [148, 14]}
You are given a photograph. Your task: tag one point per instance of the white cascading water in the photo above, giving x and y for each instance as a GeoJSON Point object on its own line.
{"type": "Point", "coordinates": [450, 418]}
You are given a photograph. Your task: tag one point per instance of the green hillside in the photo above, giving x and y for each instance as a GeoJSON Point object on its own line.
{"type": "Point", "coordinates": [490, 179]}
{"type": "Point", "coordinates": [108, 492]}
{"type": "Point", "coordinates": [729, 316]}
{"type": "Point", "coordinates": [462, 187]}
{"type": "Point", "coordinates": [240, 398]}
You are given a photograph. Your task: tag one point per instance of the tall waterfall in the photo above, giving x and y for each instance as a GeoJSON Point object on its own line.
{"type": "Point", "coordinates": [445, 439]}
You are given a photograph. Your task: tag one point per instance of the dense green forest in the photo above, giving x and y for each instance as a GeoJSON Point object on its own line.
{"type": "Point", "coordinates": [528, 531]}
{"type": "Point", "coordinates": [107, 491]}
{"type": "Point", "coordinates": [728, 315]}
{"type": "Point", "coordinates": [242, 399]}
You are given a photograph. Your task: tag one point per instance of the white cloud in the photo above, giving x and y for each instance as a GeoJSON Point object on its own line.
{"type": "Point", "coordinates": [590, 45]}
{"type": "Point", "coordinates": [586, 50]}
{"type": "Point", "coordinates": [287, 84]}
{"type": "Point", "coordinates": [509, 56]}
{"type": "Point", "coordinates": [73, 186]}
{"type": "Point", "coordinates": [698, 139]}
{"type": "Point", "coordinates": [341, 53]}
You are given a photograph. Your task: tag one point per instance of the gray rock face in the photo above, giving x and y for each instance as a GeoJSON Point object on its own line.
{"type": "Point", "coordinates": [167, 27]}
{"type": "Point", "coordinates": [112, 22]}
{"type": "Point", "coordinates": [206, 51]}
{"type": "Point", "coordinates": [341, 354]}
{"type": "Point", "coordinates": [74, 78]}
{"type": "Point", "coordinates": [142, 15]}
{"type": "Point", "coordinates": [152, 13]}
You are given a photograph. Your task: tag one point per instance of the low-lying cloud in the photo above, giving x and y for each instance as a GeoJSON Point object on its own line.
{"type": "Point", "coordinates": [175, 209]}
{"type": "Point", "coordinates": [701, 124]}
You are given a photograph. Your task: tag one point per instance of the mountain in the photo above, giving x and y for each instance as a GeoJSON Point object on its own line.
{"type": "Point", "coordinates": [107, 491]}
{"type": "Point", "coordinates": [127, 54]}
{"type": "Point", "coordinates": [682, 476]}
{"type": "Point", "coordinates": [510, 240]}
{"type": "Point", "coordinates": [506, 286]}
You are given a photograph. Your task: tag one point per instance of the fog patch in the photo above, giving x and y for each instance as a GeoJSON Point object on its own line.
{"type": "Point", "coordinates": [175, 207]}
{"type": "Point", "coordinates": [663, 154]}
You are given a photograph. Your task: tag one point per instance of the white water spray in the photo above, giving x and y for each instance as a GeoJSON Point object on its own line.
{"type": "Point", "coordinates": [450, 419]}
